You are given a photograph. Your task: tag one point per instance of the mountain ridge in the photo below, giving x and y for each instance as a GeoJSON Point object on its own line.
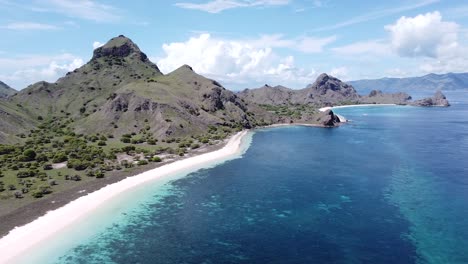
{"type": "Point", "coordinates": [429, 82]}
{"type": "Point", "coordinates": [6, 90]}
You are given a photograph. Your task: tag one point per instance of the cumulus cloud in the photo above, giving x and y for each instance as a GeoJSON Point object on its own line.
{"type": "Point", "coordinates": [97, 44]}
{"type": "Point", "coordinates": [25, 70]}
{"type": "Point", "coordinates": [218, 6]}
{"type": "Point", "coordinates": [234, 62]}
{"type": "Point", "coordinates": [340, 73]}
{"type": "Point", "coordinates": [423, 35]}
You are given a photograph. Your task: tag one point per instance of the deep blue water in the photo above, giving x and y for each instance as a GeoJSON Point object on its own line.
{"type": "Point", "coordinates": [389, 187]}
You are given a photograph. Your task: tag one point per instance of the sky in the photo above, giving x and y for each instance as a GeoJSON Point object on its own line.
{"type": "Point", "coordinates": [240, 43]}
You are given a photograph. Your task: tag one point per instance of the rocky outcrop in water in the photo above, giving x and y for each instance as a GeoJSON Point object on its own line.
{"type": "Point", "coordinates": [438, 99]}
{"type": "Point", "coordinates": [328, 119]}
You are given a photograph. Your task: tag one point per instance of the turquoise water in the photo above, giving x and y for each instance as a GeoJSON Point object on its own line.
{"type": "Point", "coordinates": [389, 187]}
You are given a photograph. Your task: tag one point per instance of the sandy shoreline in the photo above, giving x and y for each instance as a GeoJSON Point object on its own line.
{"type": "Point", "coordinates": [20, 239]}
{"type": "Point", "coordinates": [323, 109]}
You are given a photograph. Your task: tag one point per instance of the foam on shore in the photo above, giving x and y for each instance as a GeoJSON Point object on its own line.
{"type": "Point", "coordinates": [21, 239]}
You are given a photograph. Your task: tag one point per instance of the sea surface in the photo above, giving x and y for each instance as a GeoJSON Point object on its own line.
{"type": "Point", "coordinates": [389, 187]}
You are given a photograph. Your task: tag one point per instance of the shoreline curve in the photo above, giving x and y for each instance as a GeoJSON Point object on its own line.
{"type": "Point", "coordinates": [22, 238]}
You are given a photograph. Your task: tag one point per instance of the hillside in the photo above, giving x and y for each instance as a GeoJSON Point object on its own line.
{"type": "Point", "coordinates": [120, 91]}
{"type": "Point", "coordinates": [326, 90]}
{"type": "Point", "coordinates": [430, 82]}
{"type": "Point", "coordinates": [6, 90]}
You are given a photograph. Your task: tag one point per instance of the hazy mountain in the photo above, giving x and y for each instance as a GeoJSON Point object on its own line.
{"type": "Point", "coordinates": [6, 90]}
{"type": "Point", "coordinates": [431, 82]}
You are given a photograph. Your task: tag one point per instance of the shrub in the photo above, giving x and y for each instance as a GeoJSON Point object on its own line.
{"type": "Point", "coordinates": [125, 140]}
{"type": "Point", "coordinates": [156, 159]}
{"type": "Point", "coordinates": [28, 155]}
{"type": "Point", "coordinates": [142, 162]}
{"type": "Point", "coordinates": [60, 157]}
{"type": "Point", "coordinates": [5, 149]}
{"type": "Point", "coordinates": [23, 174]}
{"type": "Point", "coordinates": [99, 174]}
{"type": "Point", "coordinates": [37, 194]}
{"type": "Point", "coordinates": [194, 146]}
{"type": "Point", "coordinates": [127, 149]}
{"type": "Point", "coordinates": [77, 164]}
{"type": "Point", "coordinates": [47, 166]}
{"type": "Point", "coordinates": [101, 143]}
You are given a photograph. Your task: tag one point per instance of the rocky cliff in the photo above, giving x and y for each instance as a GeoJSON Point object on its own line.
{"type": "Point", "coordinates": [438, 99]}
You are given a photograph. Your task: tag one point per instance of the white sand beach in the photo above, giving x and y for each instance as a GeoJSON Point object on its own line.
{"type": "Point", "coordinates": [21, 239]}
{"type": "Point", "coordinates": [323, 109]}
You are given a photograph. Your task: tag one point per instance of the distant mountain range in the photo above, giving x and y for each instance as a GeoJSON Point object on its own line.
{"type": "Point", "coordinates": [430, 82]}
{"type": "Point", "coordinates": [6, 90]}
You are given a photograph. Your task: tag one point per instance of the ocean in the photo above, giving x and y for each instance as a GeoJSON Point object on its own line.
{"type": "Point", "coordinates": [391, 186]}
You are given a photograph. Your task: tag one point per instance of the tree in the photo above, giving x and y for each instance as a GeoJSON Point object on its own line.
{"type": "Point", "coordinates": [29, 155]}
{"type": "Point", "coordinates": [60, 157]}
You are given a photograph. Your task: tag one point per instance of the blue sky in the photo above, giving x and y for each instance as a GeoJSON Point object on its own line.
{"type": "Point", "coordinates": [241, 43]}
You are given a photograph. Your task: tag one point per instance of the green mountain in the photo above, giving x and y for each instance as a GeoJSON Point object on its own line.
{"type": "Point", "coordinates": [6, 90]}
{"type": "Point", "coordinates": [120, 91]}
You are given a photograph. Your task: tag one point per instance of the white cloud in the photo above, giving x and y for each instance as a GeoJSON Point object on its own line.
{"type": "Point", "coordinates": [340, 73]}
{"type": "Point", "coordinates": [235, 62]}
{"type": "Point", "coordinates": [218, 6]}
{"type": "Point", "coordinates": [371, 47]}
{"type": "Point", "coordinates": [97, 44]}
{"type": "Point", "coordinates": [83, 9]}
{"type": "Point", "coordinates": [24, 70]}
{"type": "Point", "coordinates": [29, 26]}
{"type": "Point", "coordinates": [372, 15]}
{"type": "Point", "coordinates": [423, 35]}
{"type": "Point", "coordinates": [304, 44]}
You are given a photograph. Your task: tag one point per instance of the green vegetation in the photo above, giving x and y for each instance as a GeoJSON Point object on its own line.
{"type": "Point", "coordinates": [294, 111]}
{"type": "Point", "coordinates": [27, 170]}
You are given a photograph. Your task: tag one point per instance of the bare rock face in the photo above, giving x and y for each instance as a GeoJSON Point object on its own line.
{"type": "Point", "coordinates": [330, 90]}
{"type": "Point", "coordinates": [328, 119]}
{"type": "Point", "coordinates": [438, 99]}
{"type": "Point", "coordinates": [378, 97]}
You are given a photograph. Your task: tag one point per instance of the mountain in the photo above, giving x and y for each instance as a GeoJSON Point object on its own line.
{"type": "Point", "coordinates": [6, 90]}
{"type": "Point", "coordinates": [438, 99]}
{"type": "Point", "coordinates": [326, 90]}
{"type": "Point", "coordinates": [430, 82]}
{"type": "Point", "coordinates": [120, 91]}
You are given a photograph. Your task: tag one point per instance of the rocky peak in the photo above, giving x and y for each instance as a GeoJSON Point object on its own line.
{"type": "Point", "coordinates": [374, 93]}
{"type": "Point", "coordinates": [120, 47]}
{"type": "Point", "coordinates": [326, 82]}
{"type": "Point", "coordinates": [184, 69]}
{"type": "Point", "coordinates": [439, 96]}
{"type": "Point", "coordinates": [438, 99]}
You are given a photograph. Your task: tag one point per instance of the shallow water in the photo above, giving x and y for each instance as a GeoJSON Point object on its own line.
{"type": "Point", "coordinates": [389, 187]}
